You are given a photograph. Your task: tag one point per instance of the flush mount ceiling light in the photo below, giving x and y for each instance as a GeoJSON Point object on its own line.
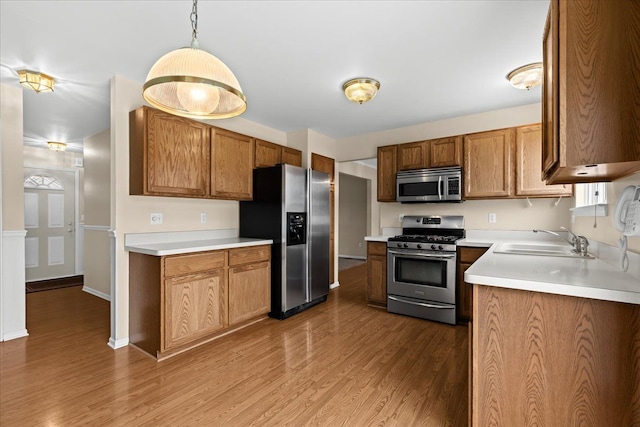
{"type": "Point", "coordinates": [527, 76]}
{"type": "Point", "coordinates": [57, 146]}
{"type": "Point", "coordinates": [38, 82]}
{"type": "Point", "coordinates": [190, 82]}
{"type": "Point", "coordinates": [361, 90]}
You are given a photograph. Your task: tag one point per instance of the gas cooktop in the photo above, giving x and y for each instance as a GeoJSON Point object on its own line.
{"type": "Point", "coordinates": [418, 238]}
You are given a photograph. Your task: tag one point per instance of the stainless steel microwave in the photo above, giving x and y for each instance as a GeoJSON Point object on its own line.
{"type": "Point", "coordinates": [429, 185]}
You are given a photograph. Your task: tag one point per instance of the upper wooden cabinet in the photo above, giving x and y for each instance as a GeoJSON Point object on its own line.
{"type": "Point", "coordinates": [270, 154]}
{"type": "Point", "coordinates": [591, 114]}
{"type": "Point", "coordinates": [231, 165]}
{"type": "Point", "coordinates": [414, 155]}
{"type": "Point", "coordinates": [430, 154]}
{"type": "Point", "coordinates": [445, 152]}
{"type": "Point", "coordinates": [529, 182]}
{"type": "Point", "coordinates": [488, 158]}
{"type": "Point", "coordinates": [291, 156]}
{"type": "Point", "coordinates": [387, 173]}
{"type": "Point", "coordinates": [169, 155]}
{"type": "Point", "coordinates": [267, 154]}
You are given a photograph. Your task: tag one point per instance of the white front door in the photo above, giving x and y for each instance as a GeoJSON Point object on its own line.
{"type": "Point", "coordinates": [49, 217]}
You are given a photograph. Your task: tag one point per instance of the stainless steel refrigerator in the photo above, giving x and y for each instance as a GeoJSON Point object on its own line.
{"type": "Point", "coordinates": [291, 206]}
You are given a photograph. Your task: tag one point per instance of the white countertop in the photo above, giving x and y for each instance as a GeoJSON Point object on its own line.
{"type": "Point", "coordinates": [377, 238]}
{"type": "Point", "coordinates": [587, 278]}
{"type": "Point", "coordinates": [188, 241]}
{"type": "Point", "coordinates": [184, 247]}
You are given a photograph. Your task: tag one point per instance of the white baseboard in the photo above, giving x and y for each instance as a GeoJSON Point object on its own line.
{"type": "Point", "coordinates": [96, 293]}
{"type": "Point", "coordinates": [15, 334]}
{"type": "Point", "coordinates": [119, 343]}
{"type": "Point", "coordinates": [334, 285]}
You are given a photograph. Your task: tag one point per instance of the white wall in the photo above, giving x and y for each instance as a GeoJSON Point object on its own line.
{"type": "Point", "coordinates": [97, 197]}
{"type": "Point", "coordinates": [12, 265]}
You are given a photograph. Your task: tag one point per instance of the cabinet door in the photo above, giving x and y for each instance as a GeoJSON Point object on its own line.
{"type": "Point", "coordinates": [291, 156]}
{"type": "Point", "coordinates": [414, 155]}
{"type": "Point", "coordinates": [169, 155]}
{"type": "Point", "coordinates": [446, 152]}
{"type": "Point", "coordinates": [464, 296]}
{"type": "Point", "coordinates": [249, 291]}
{"type": "Point", "coordinates": [377, 273]}
{"type": "Point", "coordinates": [550, 101]}
{"type": "Point", "coordinates": [194, 306]}
{"type": "Point", "coordinates": [387, 173]}
{"type": "Point", "coordinates": [488, 164]}
{"type": "Point", "coordinates": [267, 154]}
{"type": "Point", "coordinates": [231, 165]}
{"type": "Point", "coordinates": [464, 290]}
{"type": "Point", "coordinates": [528, 165]}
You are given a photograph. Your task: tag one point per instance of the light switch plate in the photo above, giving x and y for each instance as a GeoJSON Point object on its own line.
{"type": "Point", "coordinates": [156, 219]}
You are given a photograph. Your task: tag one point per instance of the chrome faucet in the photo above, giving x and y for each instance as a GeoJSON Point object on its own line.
{"type": "Point", "coordinates": [579, 243]}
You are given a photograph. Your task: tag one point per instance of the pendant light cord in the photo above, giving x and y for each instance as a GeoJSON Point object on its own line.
{"type": "Point", "coordinates": [194, 25]}
{"type": "Point", "coordinates": [194, 19]}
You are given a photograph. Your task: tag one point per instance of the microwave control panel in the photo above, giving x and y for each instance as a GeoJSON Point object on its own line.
{"type": "Point", "coordinates": [453, 186]}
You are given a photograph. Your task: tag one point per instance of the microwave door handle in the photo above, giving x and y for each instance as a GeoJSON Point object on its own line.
{"type": "Point", "coordinates": [440, 187]}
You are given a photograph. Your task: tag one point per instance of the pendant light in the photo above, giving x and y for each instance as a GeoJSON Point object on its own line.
{"type": "Point", "coordinates": [191, 82]}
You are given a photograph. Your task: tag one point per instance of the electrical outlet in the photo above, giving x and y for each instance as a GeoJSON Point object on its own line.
{"type": "Point", "coordinates": [359, 244]}
{"type": "Point", "coordinates": [156, 219]}
{"type": "Point", "coordinates": [492, 218]}
{"type": "Point", "coordinates": [400, 217]}
{"type": "Point", "coordinates": [203, 218]}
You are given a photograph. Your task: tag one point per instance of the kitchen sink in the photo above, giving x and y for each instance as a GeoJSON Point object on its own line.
{"type": "Point", "coordinates": [538, 249]}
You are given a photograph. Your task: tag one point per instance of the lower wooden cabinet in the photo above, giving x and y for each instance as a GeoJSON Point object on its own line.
{"type": "Point", "coordinates": [553, 360]}
{"type": "Point", "coordinates": [250, 269]}
{"type": "Point", "coordinates": [377, 273]}
{"type": "Point", "coordinates": [180, 301]}
{"type": "Point", "coordinates": [464, 290]}
{"type": "Point", "coordinates": [194, 306]}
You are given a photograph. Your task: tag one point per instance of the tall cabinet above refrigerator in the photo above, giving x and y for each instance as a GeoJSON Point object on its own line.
{"type": "Point", "coordinates": [291, 206]}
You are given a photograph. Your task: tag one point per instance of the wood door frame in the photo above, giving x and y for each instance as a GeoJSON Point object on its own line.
{"type": "Point", "coordinates": [77, 239]}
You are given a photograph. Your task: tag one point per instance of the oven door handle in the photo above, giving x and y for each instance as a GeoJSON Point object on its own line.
{"type": "Point", "coordinates": [421, 255]}
{"type": "Point", "coordinates": [421, 304]}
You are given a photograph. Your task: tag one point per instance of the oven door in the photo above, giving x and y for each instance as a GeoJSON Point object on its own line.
{"type": "Point", "coordinates": [422, 275]}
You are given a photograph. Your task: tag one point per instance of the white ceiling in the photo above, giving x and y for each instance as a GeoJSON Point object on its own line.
{"type": "Point", "coordinates": [434, 59]}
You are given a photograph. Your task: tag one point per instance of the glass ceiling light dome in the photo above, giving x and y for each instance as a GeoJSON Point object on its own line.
{"type": "Point", "coordinates": [190, 82]}
{"type": "Point", "coordinates": [361, 90]}
{"type": "Point", "coordinates": [527, 76]}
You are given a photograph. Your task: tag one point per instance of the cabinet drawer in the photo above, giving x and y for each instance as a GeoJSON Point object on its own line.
{"type": "Point", "coordinates": [194, 263]}
{"type": "Point", "coordinates": [470, 255]}
{"type": "Point", "coordinates": [377, 248]}
{"type": "Point", "coordinates": [241, 256]}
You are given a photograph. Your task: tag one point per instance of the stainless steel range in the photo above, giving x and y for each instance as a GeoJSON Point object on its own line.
{"type": "Point", "coordinates": [421, 267]}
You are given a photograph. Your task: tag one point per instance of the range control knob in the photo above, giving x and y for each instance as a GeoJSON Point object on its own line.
{"type": "Point", "coordinates": [406, 245]}
{"type": "Point", "coordinates": [433, 247]}
{"type": "Point", "coordinates": [419, 246]}
{"type": "Point", "coordinates": [399, 245]}
{"type": "Point", "coordinates": [440, 247]}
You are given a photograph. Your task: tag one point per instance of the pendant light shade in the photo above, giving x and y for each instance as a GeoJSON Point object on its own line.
{"type": "Point", "coordinates": [191, 82]}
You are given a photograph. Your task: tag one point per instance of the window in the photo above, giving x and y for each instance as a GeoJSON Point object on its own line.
{"type": "Point", "coordinates": [43, 182]}
{"type": "Point", "coordinates": [591, 194]}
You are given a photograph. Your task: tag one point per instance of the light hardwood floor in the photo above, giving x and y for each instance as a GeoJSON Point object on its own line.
{"type": "Point", "coordinates": [339, 363]}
